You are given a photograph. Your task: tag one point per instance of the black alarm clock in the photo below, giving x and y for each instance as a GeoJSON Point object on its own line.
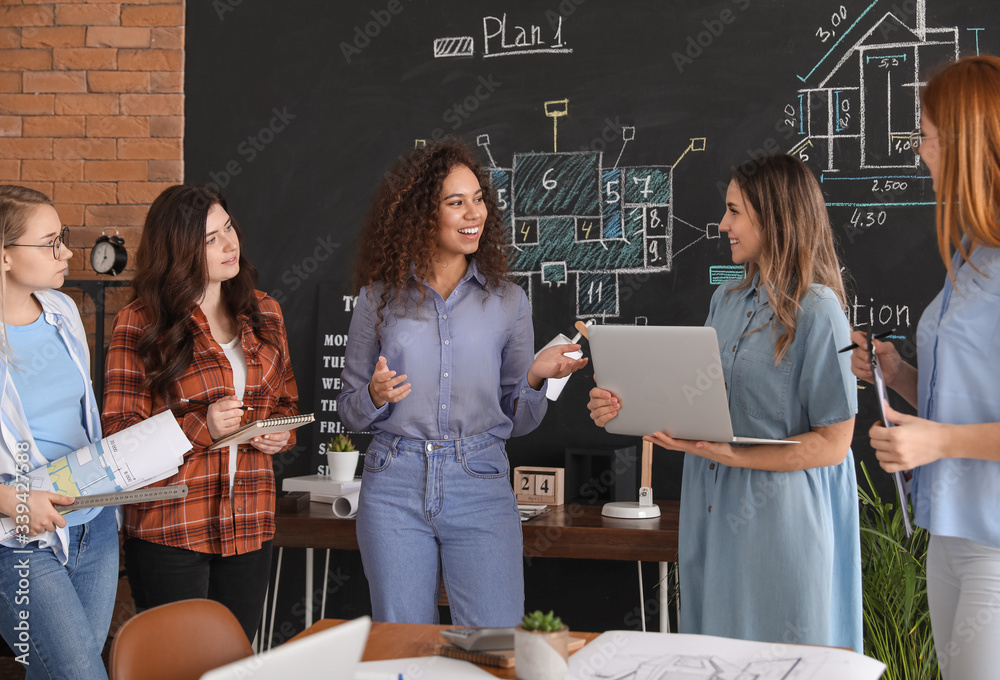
{"type": "Point", "coordinates": [108, 255]}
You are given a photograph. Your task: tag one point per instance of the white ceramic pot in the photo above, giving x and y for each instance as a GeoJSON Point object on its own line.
{"type": "Point", "coordinates": [541, 656]}
{"type": "Point", "coordinates": [342, 465]}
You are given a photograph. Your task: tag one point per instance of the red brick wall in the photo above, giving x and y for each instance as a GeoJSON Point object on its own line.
{"type": "Point", "coordinates": [92, 113]}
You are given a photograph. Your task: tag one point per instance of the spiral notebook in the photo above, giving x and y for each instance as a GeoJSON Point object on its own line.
{"type": "Point", "coordinates": [261, 427]}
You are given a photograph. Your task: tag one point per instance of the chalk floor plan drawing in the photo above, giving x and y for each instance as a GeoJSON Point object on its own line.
{"type": "Point", "coordinates": [573, 220]}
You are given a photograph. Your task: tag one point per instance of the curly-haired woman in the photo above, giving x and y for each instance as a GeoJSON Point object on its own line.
{"type": "Point", "coordinates": [198, 330]}
{"type": "Point", "coordinates": [439, 365]}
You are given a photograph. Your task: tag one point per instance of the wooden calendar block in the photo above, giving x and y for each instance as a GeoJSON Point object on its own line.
{"type": "Point", "coordinates": [539, 485]}
{"type": "Point", "coordinates": [524, 484]}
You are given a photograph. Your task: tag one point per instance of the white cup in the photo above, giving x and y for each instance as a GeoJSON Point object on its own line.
{"type": "Point", "coordinates": [342, 465]}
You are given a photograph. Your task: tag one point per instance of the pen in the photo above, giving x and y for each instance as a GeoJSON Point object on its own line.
{"type": "Point", "coordinates": [854, 345]}
{"type": "Point", "coordinates": [202, 402]}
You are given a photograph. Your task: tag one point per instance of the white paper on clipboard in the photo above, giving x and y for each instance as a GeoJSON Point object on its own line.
{"type": "Point", "coordinates": [902, 479]}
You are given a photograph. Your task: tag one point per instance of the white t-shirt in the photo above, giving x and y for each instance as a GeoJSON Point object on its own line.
{"type": "Point", "coordinates": [238, 361]}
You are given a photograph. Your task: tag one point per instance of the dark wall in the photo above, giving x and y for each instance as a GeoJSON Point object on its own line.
{"type": "Point", "coordinates": [296, 109]}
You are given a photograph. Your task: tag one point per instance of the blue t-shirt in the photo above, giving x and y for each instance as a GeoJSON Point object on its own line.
{"type": "Point", "coordinates": [52, 393]}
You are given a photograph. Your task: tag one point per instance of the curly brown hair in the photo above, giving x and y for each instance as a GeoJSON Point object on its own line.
{"type": "Point", "coordinates": [401, 229]}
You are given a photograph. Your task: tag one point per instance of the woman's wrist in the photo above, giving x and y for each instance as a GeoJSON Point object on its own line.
{"type": "Point", "coordinates": [375, 400]}
{"type": "Point", "coordinates": [8, 500]}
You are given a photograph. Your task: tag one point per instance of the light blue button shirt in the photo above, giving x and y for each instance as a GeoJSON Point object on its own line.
{"type": "Point", "coordinates": [775, 556]}
{"type": "Point", "coordinates": [958, 350]}
{"type": "Point", "coordinates": [466, 359]}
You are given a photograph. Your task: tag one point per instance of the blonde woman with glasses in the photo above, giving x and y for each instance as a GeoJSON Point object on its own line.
{"type": "Point", "coordinates": [58, 578]}
{"type": "Point", "coordinates": [953, 443]}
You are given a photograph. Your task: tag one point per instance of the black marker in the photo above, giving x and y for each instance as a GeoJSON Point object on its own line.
{"type": "Point", "coordinates": [854, 345]}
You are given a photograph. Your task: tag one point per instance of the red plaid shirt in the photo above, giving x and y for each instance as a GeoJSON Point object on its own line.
{"type": "Point", "coordinates": [205, 521]}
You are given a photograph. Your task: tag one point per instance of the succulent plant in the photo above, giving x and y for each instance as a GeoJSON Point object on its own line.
{"type": "Point", "coordinates": [544, 623]}
{"type": "Point", "coordinates": [340, 443]}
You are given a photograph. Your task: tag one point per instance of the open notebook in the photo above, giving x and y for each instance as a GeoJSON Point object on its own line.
{"type": "Point", "coordinates": [261, 427]}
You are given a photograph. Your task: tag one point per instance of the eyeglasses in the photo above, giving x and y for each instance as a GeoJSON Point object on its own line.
{"type": "Point", "coordinates": [61, 240]}
{"type": "Point", "coordinates": [917, 138]}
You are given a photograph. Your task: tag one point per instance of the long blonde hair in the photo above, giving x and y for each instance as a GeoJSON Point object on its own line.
{"type": "Point", "coordinates": [963, 101]}
{"type": "Point", "coordinates": [796, 239]}
{"type": "Point", "coordinates": [16, 206]}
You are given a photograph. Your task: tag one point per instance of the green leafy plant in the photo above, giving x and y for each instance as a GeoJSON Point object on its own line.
{"type": "Point", "coordinates": [894, 590]}
{"type": "Point", "coordinates": [543, 623]}
{"type": "Point", "coordinates": [340, 443]}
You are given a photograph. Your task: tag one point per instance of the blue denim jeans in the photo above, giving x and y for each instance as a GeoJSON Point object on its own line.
{"type": "Point", "coordinates": [68, 607]}
{"type": "Point", "coordinates": [433, 511]}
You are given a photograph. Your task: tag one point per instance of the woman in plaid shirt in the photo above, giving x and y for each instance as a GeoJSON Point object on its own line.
{"type": "Point", "coordinates": [198, 330]}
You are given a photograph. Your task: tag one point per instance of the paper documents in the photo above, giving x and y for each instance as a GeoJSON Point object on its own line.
{"type": "Point", "coordinates": [135, 457]}
{"type": "Point", "coordinates": [630, 655]}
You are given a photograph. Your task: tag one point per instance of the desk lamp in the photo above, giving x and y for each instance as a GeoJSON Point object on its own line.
{"type": "Point", "coordinates": [644, 509]}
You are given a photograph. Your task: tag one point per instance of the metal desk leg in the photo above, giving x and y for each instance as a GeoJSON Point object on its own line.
{"type": "Point", "coordinates": [274, 600]}
{"type": "Point", "coordinates": [309, 586]}
{"type": "Point", "coordinates": [664, 597]}
{"type": "Point", "coordinates": [326, 581]}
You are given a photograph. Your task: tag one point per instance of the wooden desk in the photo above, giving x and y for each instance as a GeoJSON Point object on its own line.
{"type": "Point", "coordinates": [406, 640]}
{"type": "Point", "coordinates": [571, 531]}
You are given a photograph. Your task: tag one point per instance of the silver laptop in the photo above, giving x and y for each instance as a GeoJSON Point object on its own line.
{"type": "Point", "coordinates": [333, 654]}
{"type": "Point", "coordinates": [668, 379]}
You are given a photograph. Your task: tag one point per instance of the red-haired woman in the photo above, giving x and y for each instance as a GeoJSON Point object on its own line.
{"type": "Point", "coordinates": [953, 444]}
{"type": "Point", "coordinates": [439, 365]}
{"type": "Point", "coordinates": [197, 329]}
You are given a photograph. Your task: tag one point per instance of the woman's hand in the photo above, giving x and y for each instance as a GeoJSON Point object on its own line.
{"type": "Point", "coordinates": [888, 359]}
{"type": "Point", "coordinates": [385, 385]}
{"type": "Point", "coordinates": [224, 416]}
{"type": "Point", "coordinates": [603, 406]}
{"type": "Point", "coordinates": [913, 441]}
{"type": "Point", "coordinates": [271, 443]}
{"type": "Point", "coordinates": [551, 362]}
{"type": "Point", "coordinates": [717, 451]}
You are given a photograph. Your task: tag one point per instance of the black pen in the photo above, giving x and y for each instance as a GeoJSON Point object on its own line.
{"type": "Point", "coordinates": [854, 345]}
{"type": "Point", "coordinates": [209, 403]}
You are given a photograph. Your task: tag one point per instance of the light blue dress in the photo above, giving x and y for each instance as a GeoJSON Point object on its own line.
{"type": "Point", "coordinates": [775, 556]}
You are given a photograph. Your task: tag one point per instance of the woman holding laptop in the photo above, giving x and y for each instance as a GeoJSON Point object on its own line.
{"type": "Point", "coordinates": [769, 536]}
{"type": "Point", "coordinates": [953, 447]}
{"type": "Point", "coordinates": [198, 331]}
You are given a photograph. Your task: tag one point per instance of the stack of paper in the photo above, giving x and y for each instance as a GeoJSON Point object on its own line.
{"type": "Point", "coordinates": [133, 458]}
{"type": "Point", "coordinates": [321, 488]}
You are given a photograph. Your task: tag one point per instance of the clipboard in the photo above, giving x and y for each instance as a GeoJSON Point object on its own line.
{"type": "Point", "coordinates": [904, 478]}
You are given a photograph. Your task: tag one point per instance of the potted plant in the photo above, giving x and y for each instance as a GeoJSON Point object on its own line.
{"type": "Point", "coordinates": [894, 590]}
{"type": "Point", "coordinates": [541, 647]}
{"type": "Point", "coordinates": [342, 458]}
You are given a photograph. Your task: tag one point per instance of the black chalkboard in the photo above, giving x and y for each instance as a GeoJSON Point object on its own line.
{"type": "Point", "coordinates": [612, 128]}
